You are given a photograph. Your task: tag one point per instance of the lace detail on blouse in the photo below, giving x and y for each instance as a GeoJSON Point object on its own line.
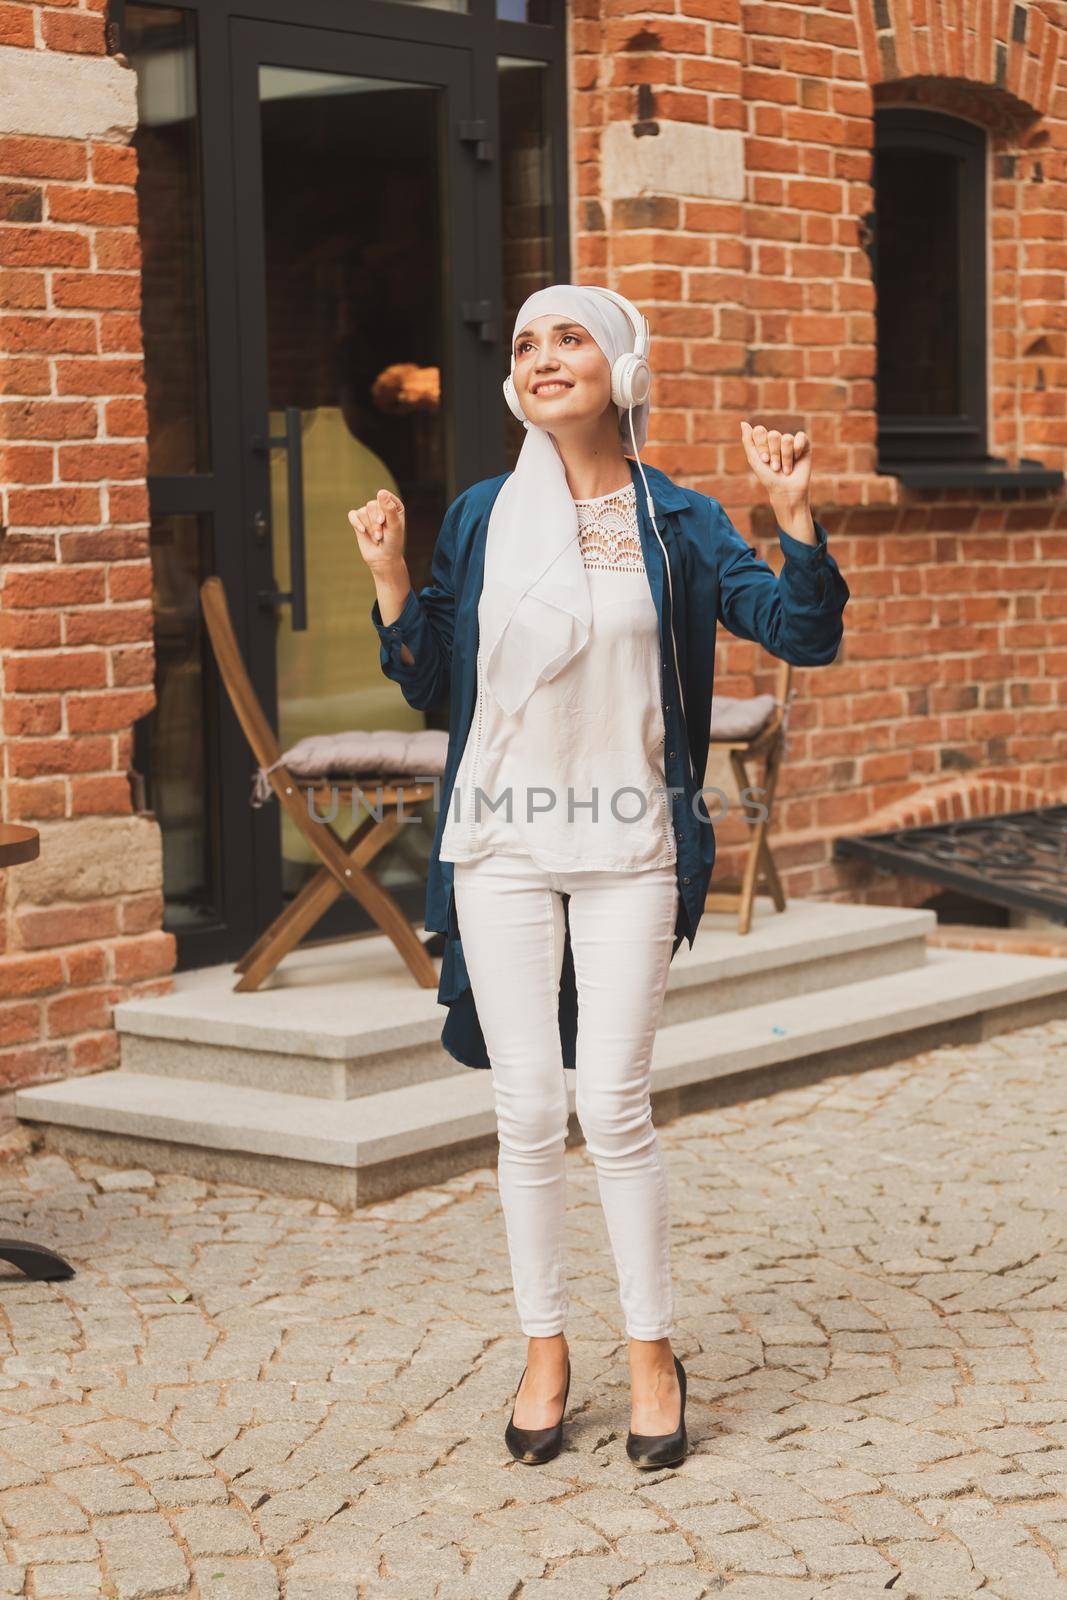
{"type": "Point", "coordinates": [608, 534]}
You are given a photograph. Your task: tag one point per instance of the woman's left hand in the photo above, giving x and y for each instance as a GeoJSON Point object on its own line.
{"type": "Point", "coordinates": [781, 462]}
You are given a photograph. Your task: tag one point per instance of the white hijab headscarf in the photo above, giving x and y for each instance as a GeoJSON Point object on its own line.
{"type": "Point", "coordinates": [535, 610]}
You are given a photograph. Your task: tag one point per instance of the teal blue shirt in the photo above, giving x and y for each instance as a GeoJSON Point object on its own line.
{"type": "Point", "coordinates": [715, 577]}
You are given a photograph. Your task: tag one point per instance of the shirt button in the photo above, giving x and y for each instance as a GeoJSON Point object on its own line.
{"type": "Point", "coordinates": [671, 755]}
{"type": "Point", "coordinates": [685, 880]}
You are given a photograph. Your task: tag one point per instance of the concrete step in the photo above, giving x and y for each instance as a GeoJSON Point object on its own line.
{"type": "Point", "coordinates": [385, 1143]}
{"type": "Point", "coordinates": [344, 1020]}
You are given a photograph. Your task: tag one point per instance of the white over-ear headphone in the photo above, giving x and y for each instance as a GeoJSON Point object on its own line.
{"type": "Point", "coordinates": [631, 375]}
{"type": "Point", "coordinates": [631, 379]}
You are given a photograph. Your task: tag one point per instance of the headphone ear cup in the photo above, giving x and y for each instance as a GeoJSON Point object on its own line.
{"type": "Point", "coordinates": [631, 379]}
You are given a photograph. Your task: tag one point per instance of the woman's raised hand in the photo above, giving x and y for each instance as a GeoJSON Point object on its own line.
{"type": "Point", "coordinates": [781, 461]}
{"type": "Point", "coordinates": [380, 530]}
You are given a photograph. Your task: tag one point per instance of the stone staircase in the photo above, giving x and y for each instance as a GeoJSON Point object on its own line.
{"type": "Point", "coordinates": [333, 1082]}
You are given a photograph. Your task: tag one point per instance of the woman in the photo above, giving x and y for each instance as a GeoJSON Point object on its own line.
{"type": "Point", "coordinates": [567, 597]}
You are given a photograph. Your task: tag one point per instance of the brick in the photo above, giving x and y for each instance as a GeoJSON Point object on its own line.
{"type": "Point", "coordinates": [114, 163]}
{"type": "Point", "coordinates": [142, 913]}
{"type": "Point", "coordinates": [104, 544]}
{"type": "Point", "coordinates": [147, 956]}
{"type": "Point", "coordinates": [100, 796]}
{"type": "Point", "coordinates": [78, 32]}
{"type": "Point", "coordinates": [94, 1052]}
{"type": "Point", "coordinates": [16, 27]}
{"type": "Point", "coordinates": [34, 1063]}
{"type": "Point", "coordinates": [99, 376]}
{"type": "Point", "coordinates": [87, 463]}
{"type": "Point", "coordinates": [36, 802]}
{"type": "Point", "coordinates": [19, 1024]}
{"type": "Point", "coordinates": [19, 334]}
{"type": "Point", "coordinates": [47, 508]}
{"type": "Point", "coordinates": [39, 758]}
{"type": "Point", "coordinates": [42, 247]}
{"type": "Point", "coordinates": [36, 157]}
{"type": "Point", "coordinates": [23, 715]}
{"type": "Point", "coordinates": [22, 288]}
{"type": "Point", "coordinates": [58, 586]}
{"type": "Point", "coordinates": [26, 463]}
{"type": "Point", "coordinates": [85, 964]}
{"type": "Point", "coordinates": [88, 1012]}
{"type": "Point", "coordinates": [25, 975]}
{"type": "Point", "coordinates": [126, 624]}
{"type": "Point", "coordinates": [20, 202]}
{"type": "Point", "coordinates": [130, 581]}
{"type": "Point", "coordinates": [96, 289]}
{"type": "Point", "coordinates": [114, 208]}
{"type": "Point", "coordinates": [97, 712]}
{"type": "Point", "coordinates": [71, 669]}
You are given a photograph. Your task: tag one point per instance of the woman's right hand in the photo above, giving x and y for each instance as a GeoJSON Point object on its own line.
{"type": "Point", "coordinates": [380, 531]}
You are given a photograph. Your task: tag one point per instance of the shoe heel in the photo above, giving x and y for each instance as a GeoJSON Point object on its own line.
{"type": "Point", "coordinates": [648, 1450]}
{"type": "Point", "coordinates": [534, 1446]}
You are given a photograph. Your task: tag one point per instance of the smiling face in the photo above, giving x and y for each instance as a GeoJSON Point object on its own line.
{"type": "Point", "coordinates": [562, 377]}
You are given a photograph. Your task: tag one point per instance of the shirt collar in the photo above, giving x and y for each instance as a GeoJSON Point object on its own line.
{"type": "Point", "coordinates": [665, 494]}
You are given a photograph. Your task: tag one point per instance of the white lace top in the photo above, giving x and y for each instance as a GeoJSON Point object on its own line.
{"type": "Point", "coordinates": [591, 739]}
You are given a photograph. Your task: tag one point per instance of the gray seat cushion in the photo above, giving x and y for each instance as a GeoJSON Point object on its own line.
{"type": "Point", "coordinates": [382, 753]}
{"type": "Point", "coordinates": [740, 719]}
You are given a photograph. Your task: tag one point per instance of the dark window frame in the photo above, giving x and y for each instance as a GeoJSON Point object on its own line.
{"type": "Point", "coordinates": [246, 846]}
{"type": "Point", "coordinates": [907, 440]}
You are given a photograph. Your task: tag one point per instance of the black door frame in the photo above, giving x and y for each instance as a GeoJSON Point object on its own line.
{"type": "Point", "coordinates": [253, 43]}
{"type": "Point", "coordinates": [247, 841]}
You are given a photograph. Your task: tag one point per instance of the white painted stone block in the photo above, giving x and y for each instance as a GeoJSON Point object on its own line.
{"type": "Point", "coordinates": [65, 96]}
{"type": "Point", "coordinates": [682, 159]}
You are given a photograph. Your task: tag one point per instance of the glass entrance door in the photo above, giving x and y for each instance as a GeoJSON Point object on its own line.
{"type": "Point", "coordinates": [356, 236]}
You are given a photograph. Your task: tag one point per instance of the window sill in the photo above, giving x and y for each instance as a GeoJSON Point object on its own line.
{"type": "Point", "coordinates": [992, 473]}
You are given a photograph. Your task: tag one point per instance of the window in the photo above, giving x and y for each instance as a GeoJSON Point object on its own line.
{"type": "Point", "coordinates": [929, 269]}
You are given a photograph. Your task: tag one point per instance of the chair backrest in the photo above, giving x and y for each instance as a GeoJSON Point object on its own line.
{"type": "Point", "coordinates": [234, 673]}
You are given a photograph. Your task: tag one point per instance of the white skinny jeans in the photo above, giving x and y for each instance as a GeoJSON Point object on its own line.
{"type": "Point", "coordinates": [510, 913]}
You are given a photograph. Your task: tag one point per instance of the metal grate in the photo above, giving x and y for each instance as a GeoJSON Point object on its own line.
{"type": "Point", "coordinates": [1017, 859]}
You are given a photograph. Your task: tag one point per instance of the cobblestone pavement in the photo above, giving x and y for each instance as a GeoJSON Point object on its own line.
{"type": "Point", "coordinates": [243, 1397]}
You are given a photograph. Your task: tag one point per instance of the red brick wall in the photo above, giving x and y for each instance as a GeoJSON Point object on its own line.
{"type": "Point", "coordinates": [955, 658]}
{"type": "Point", "coordinates": [954, 663]}
{"type": "Point", "coordinates": [80, 929]}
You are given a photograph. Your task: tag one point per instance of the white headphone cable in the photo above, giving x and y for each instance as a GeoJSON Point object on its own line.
{"type": "Point", "coordinates": [670, 588]}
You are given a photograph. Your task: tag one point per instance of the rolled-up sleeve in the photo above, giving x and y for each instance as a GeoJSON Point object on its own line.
{"type": "Point", "coordinates": [796, 615]}
{"type": "Point", "coordinates": [425, 625]}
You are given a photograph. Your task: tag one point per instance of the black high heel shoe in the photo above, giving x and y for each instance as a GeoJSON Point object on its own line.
{"type": "Point", "coordinates": [661, 1449]}
{"type": "Point", "coordinates": [535, 1446]}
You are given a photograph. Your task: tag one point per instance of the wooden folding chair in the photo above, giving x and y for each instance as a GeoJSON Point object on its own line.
{"type": "Point", "coordinates": [767, 745]}
{"type": "Point", "coordinates": [344, 861]}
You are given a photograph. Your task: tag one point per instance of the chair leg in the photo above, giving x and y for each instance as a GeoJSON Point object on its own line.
{"type": "Point", "coordinates": [752, 857]}
{"type": "Point", "coordinates": [311, 892]}
{"type": "Point", "coordinates": [345, 871]}
{"type": "Point", "coordinates": [759, 851]}
{"type": "Point", "coordinates": [772, 771]}
{"type": "Point", "coordinates": [378, 903]}
{"type": "Point", "coordinates": [287, 930]}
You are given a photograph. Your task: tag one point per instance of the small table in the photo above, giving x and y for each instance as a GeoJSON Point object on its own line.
{"type": "Point", "coordinates": [17, 844]}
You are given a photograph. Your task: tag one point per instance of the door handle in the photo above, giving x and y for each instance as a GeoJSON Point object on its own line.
{"type": "Point", "coordinates": [292, 442]}
{"type": "Point", "coordinates": [474, 131]}
{"type": "Point", "coordinates": [481, 312]}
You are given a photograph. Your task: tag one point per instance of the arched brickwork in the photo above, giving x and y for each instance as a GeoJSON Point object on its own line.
{"type": "Point", "coordinates": [1006, 45]}
{"type": "Point", "coordinates": [959, 799]}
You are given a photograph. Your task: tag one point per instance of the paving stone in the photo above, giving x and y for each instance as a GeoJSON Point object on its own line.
{"type": "Point", "coordinates": [225, 1579]}
{"type": "Point", "coordinates": [869, 1303]}
{"type": "Point", "coordinates": [217, 1531]}
{"type": "Point", "coordinates": [63, 1582]}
